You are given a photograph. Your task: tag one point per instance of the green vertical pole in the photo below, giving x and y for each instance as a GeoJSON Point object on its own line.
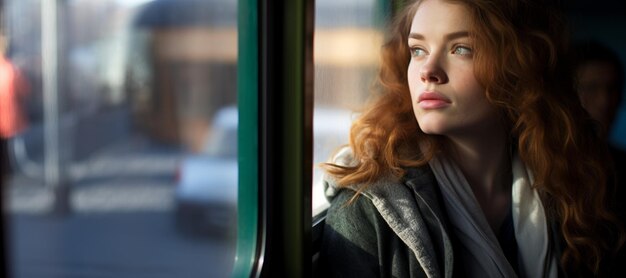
{"type": "Point", "coordinates": [248, 147]}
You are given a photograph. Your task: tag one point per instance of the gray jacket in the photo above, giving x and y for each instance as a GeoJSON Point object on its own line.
{"type": "Point", "coordinates": [394, 228]}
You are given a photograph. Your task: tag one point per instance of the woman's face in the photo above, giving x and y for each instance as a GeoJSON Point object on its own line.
{"type": "Point", "coordinates": [447, 98]}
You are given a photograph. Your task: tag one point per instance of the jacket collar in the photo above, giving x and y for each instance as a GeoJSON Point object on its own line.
{"type": "Point", "coordinates": [424, 185]}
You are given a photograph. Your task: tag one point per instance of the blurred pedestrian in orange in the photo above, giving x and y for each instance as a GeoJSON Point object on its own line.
{"type": "Point", "coordinates": [13, 90]}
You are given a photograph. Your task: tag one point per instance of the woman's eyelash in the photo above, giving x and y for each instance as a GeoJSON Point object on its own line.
{"type": "Point", "coordinates": [458, 50]}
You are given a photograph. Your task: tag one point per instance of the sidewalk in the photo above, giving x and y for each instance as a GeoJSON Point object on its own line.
{"type": "Point", "coordinates": [132, 174]}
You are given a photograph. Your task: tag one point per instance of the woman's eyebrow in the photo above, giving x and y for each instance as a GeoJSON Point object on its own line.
{"type": "Point", "coordinates": [450, 36]}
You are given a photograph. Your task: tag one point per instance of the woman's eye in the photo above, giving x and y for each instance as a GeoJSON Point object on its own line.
{"type": "Point", "coordinates": [416, 52]}
{"type": "Point", "coordinates": [462, 50]}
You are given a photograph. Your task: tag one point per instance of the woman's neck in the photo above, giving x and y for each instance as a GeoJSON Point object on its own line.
{"type": "Point", "coordinates": [486, 164]}
{"type": "Point", "coordinates": [484, 161]}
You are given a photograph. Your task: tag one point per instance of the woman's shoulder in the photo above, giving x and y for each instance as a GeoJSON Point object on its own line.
{"type": "Point", "coordinates": [384, 198]}
{"type": "Point", "coordinates": [348, 208]}
{"type": "Point", "coordinates": [420, 180]}
{"type": "Point", "coordinates": [373, 223]}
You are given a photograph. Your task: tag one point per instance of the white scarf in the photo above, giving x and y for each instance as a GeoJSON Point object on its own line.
{"type": "Point", "coordinates": [479, 248]}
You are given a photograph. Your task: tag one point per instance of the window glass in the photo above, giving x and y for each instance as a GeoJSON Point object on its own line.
{"type": "Point", "coordinates": [346, 51]}
{"type": "Point", "coordinates": [124, 163]}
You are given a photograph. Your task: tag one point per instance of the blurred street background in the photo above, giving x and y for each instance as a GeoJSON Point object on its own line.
{"type": "Point", "coordinates": [120, 224]}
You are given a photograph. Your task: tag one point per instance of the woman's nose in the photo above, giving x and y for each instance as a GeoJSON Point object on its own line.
{"type": "Point", "coordinates": [432, 72]}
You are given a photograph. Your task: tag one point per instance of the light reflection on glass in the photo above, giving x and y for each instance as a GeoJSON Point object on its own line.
{"type": "Point", "coordinates": [346, 51]}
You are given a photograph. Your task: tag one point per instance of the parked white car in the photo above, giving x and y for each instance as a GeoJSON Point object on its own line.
{"type": "Point", "coordinates": [206, 191]}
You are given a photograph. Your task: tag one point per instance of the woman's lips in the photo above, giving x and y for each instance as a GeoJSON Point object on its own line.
{"type": "Point", "coordinates": [432, 100]}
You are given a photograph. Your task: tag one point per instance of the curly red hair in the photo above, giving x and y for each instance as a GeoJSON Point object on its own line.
{"type": "Point", "coordinates": [521, 59]}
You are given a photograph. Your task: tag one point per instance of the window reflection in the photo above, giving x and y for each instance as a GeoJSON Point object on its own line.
{"type": "Point", "coordinates": [346, 51]}
{"type": "Point", "coordinates": [146, 140]}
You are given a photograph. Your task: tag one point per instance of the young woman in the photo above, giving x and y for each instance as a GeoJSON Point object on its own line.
{"type": "Point", "coordinates": [475, 159]}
